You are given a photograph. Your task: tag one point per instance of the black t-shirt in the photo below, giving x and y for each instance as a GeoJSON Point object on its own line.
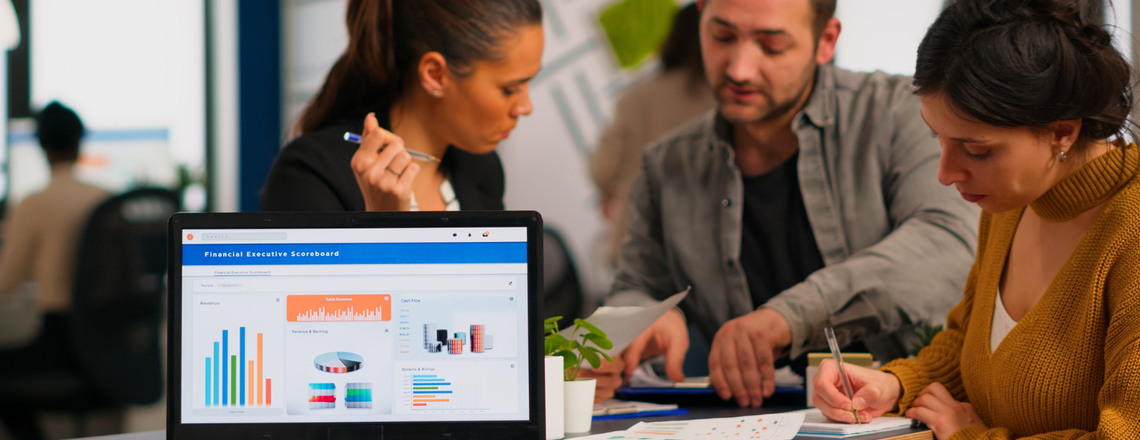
{"type": "Point", "coordinates": [777, 248]}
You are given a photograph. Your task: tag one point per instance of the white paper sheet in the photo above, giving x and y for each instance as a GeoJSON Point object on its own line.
{"type": "Point", "coordinates": [758, 427]}
{"type": "Point", "coordinates": [624, 324]}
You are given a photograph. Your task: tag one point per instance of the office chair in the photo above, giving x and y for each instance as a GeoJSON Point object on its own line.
{"type": "Point", "coordinates": [561, 289]}
{"type": "Point", "coordinates": [119, 292]}
{"type": "Point", "coordinates": [115, 319]}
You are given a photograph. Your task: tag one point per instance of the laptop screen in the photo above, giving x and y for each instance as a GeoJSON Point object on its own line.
{"type": "Point", "coordinates": [354, 324]}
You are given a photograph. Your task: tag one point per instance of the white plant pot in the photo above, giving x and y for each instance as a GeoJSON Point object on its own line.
{"type": "Point", "coordinates": [555, 428]}
{"type": "Point", "coordinates": [579, 404]}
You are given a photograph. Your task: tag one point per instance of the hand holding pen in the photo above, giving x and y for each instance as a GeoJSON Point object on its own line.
{"type": "Point", "coordinates": [872, 392]}
{"type": "Point", "coordinates": [384, 169]}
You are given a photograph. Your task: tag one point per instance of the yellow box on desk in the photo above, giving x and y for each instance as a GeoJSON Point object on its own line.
{"type": "Point", "coordinates": [860, 359]}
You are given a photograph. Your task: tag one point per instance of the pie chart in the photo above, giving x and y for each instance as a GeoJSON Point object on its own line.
{"type": "Point", "coordinates": [338, 362]}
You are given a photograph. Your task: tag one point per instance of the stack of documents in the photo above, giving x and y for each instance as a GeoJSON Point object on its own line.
{"type": "Point", "coordinates": [781, 426]}
{"type": "Point", "coordinates": [816, 425]}
{"type": "Point", "coordinates": [615, 408]}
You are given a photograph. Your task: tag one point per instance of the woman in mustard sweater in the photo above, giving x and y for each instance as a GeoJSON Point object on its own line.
{"type": "Point", "coordinates": [1023, 96]}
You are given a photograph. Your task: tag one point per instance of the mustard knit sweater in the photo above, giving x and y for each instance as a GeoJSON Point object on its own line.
{"type": "Point", "coordinates": [1071, 367]}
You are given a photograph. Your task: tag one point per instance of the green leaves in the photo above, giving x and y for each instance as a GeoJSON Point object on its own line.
{"type": "Point", "coordinates": [585, 343]}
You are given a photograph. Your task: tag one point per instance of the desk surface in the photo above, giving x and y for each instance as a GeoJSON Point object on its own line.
{"type": "Point", "coordinates": [596, 428]}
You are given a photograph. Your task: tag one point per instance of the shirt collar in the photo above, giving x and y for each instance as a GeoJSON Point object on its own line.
{"type": "Point", "coordinates": [818, 111]}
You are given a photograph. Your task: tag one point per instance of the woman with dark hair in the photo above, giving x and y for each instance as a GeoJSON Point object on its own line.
{"type": "Point", "coordinates": [1030, 101]}
{"type": "Point", "coordinates": [432, 86]}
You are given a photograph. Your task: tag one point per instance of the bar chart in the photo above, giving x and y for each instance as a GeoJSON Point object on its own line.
{"type": "Point", "coordinates": [325, 308]}
{"type": "Point", "coordinates": [430, 390]}
{"type": "Point", "coordinates": [458, 387]}
{"type": "Point", "coordinates": [231, 379]}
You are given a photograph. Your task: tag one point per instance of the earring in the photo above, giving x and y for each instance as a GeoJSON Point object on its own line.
{"type": "Point", "coordinates": [1063, 156]}
{"type": "Point", "coordinates": [436, 93]}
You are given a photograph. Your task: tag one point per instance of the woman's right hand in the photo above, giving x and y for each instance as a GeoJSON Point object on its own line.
{"type": "Point", "coordinates": [876, 392]}
{"type": "Point", "coordinates": [384, 177]}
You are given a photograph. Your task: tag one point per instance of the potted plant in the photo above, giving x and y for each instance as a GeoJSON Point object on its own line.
{"type": "Point", "coordinates": [584, 344]}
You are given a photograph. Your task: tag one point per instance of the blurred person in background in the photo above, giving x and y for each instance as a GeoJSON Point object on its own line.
{"type": "Point", "coordinates": [646, 110]}
{"type": "Point", "coordinates": [41, 239]}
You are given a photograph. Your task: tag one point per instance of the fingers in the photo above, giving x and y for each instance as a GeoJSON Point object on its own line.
{"type": "Point", "coordinates": [608, 380]}
{"type": "Point", "coordinates": [749, 371]}
{"type": "Point", "coordinates": [827, 389]}
{"type": "Point", "coordinates": [383, 169]}
{"type": "Point", "coordinates": [631, 356]}
{"type": "Point", "coordinates": [675, 358]}
{"type": "Point", "coordinates": [939, 391]}
{"type": "Point", "coordinates": [767, 368]}
{"type": "Point", "coordinates": [724, 371]}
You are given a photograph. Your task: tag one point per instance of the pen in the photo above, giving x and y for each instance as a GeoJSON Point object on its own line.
{"type": "Point", "coordinates": [355, 138]}
{"type": "Point", "coordinates": [834, 345]}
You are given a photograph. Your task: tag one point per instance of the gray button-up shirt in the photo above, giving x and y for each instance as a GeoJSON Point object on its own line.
{"type": "Point", "coordinates": [896, 244]}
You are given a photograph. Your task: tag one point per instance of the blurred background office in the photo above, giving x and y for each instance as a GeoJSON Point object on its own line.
{"type": "Point", "coordinates": [198, 96]}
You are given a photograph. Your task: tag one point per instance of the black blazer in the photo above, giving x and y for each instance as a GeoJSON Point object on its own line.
{"type": "Point", "coordinates": [313, 173]}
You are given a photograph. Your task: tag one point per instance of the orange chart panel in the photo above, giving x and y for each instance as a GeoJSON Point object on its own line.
{"type": "Point", "coordinates": [317, 308]}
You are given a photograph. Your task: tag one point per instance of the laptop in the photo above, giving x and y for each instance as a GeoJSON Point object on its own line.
{"type": "Point", "coordinates": [355, 326]}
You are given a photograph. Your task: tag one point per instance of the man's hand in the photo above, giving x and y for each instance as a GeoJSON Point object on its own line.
{"type": "Point", "coordinates": [608, 377]}
{"type": "Point", "coordinates": [743, 354]}
{"type": "Point", "coordinates": [669, 336]}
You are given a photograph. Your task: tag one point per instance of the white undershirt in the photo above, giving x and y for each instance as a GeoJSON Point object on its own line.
{"type": "Point", "coordinates": [447, 193]}
{"type": "Point", "coordinates": [1002, 323]}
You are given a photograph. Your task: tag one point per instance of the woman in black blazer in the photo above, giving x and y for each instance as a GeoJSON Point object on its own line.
{"type": "Point", "coordinates": [442, 79]}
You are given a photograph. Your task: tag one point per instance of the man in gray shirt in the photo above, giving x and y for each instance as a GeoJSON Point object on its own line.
{"type": "Point", "coordinates": [808, 197]}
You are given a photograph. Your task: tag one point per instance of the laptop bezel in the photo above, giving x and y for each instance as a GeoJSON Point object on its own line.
{"type": "Point", "coordinates": [532, 428]}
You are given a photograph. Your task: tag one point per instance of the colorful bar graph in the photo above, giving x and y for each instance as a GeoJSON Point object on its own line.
{"type": "Point", "coordinates": [243, 381]}
{"type": "Point", "coordinates": [428, 389]}
{"type": "Point", "coordinates": [268, 393]}
{"type": "Point", "coordinates": [302, 308]}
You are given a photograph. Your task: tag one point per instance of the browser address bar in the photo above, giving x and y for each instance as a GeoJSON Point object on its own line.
{"type": "Point", "coordinates": [357, 284]}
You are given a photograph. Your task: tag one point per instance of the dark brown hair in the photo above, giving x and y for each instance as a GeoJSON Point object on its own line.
{"type": "Point", "coordinates": [682, 48]}
{"type": "Point", "coordinates": [386, 38]}
{"type": "Point", "coordinates": [1027, 63]}
{"type": "Point", "coordinates": [822, 11]}
{"type": "Point", "coordinates": [59, 130]}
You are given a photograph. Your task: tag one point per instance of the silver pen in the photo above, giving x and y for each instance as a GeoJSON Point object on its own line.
{"type": "Point", "coordinates": [834, 345]}
{"type": "Point", "coordinates": [355, 138]}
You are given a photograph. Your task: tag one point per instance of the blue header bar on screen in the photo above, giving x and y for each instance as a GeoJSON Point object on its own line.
{"type": "Point", "coordinates": [352, 253]}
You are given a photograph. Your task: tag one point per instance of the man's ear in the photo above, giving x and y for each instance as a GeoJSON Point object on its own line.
{"type": "Point", "coordinates": [828, 36]}
{"type": "Point", "coordinates": [432, 73]}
